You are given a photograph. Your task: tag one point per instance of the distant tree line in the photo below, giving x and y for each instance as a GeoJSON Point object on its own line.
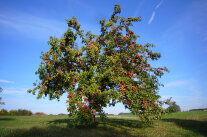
{"type": "Point", "coordinates": [19, 112]}
{"type": "Point", "coordinates": [124, 113]}
{"type": "Point", "coordinates": [200, 109]}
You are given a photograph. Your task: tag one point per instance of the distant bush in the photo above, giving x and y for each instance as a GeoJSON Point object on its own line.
{"type": "Point", "coordinates": [201, 109]}
{"type": "Point", "coordinates": [13, 112]}
{"type": "Point", "coordinates": [3, 112]}
{"type": "Point", "coordinates": [40, 113]}
{"type": "Point", "coordinates": [124, 113]}
{"type": "Point", "coordinates": [62, 114]}
{"type": "Point", "coordinates": [24, 112]}
{"type": "Point", "coordinates": [173, 107]}
{"type": "Point", "coordinates": [19, 112]}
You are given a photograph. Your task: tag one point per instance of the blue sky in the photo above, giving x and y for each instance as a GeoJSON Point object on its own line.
{"type": "Point", "coordinates": [177, 28]}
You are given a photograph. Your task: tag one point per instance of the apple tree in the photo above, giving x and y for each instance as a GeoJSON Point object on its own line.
{"type": "Point", "coordinates": [101, 70]}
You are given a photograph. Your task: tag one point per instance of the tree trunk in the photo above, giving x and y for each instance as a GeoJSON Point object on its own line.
{"type": "Point", "coordinates": [93, 115]}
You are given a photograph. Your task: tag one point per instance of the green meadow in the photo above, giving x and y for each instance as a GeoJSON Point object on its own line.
{"type": "Point", "coordinates": [181, 124]}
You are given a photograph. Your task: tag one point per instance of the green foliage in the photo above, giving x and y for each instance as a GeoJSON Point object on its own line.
{"type": "Point", "coordinates": [105, 69]}
{"type": "Point", "coordinates": [173, 107]}
{"type": "Point", "coordinates": [22, 112]}
{"type": "Point", "coordinates": [19, 112]}
{"type": "Point", "coordinates": [3, 112]}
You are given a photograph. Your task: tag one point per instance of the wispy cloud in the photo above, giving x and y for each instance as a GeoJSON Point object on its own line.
{"type": "Point", "coordinates": [196, 19]}
{"type": "Point", "coordinates": [159, 4]}
{"type": "Point", "coordinates": [192, 20]}
{"type": "Point", "coordinates": [6, 81]}
{"type": "Point", "coordinates": [15, 91]}
{"type": "Point", "coordinates": [187, 102]}
{"type": "Point", "coordinates": [176, 83]}
{"type": "Point", "coordinates": [18, 98]}
{"type": "Point", "coordinates": [81, 3]}
{"type": "Point", "coordinates": [139, 7]}
{"type": "Point", "coordinates": [152, 17]}
{"type": "Point", "coordinates": [174, 96]}
{"type": "Point", "coordinates": [154, 12]}
{"type": "Point", "coordinates": [31, 25]}
{"type": "Point", "coordinates": [189, 94]}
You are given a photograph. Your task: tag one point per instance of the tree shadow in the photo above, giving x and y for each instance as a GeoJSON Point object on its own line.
{"type": "Point", "coordinates": [116, 127]}
{"type": "Point", "coordinates": [116, 122]}
{"type": "Point", "coordinates": [199, 127]}
{"type": "Point", "coordinates": [61, 121]}
{"type": "Point", "coordinates": [63, 131]}
{"type": "Point", "coordinates": [124, 122]}
{"type": "Point", "coordinates": [6, 119]}
{"type": "Point", "coordinates": [71, 123]}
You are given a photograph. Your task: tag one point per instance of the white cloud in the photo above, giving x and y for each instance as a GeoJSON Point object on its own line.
{"type": "Point", "coordinates": [31, 25]}
{"type": "Point", "coordinates": [188, 102]}
{"type": "Point", "coordinates": [159, 4]}
{"type": "Point", "coordinates": [154, 12]}
{"type": "Point", "coordinates": [176, 83]}
{"type": "Point", "coordinates": [139, 7]}
{"type": "Point", "coordinates": [191, 21]}
{"type": "Point", "coordinates": [82, 4]}
{"type": "Point", "coordinates": [5, 81]}
{"type": "Point", "coordinates": [152, 17]}
{"type": "Point", "coordinates": [196, 19]}
{"type": "Point", "coordinates": [14, 91]}
{"type": "Point", "coordinates": [173, 96]}
{"type": "Point", "coordinates": [193, 94]}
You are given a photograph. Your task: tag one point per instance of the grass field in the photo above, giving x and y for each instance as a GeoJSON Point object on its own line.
{"type": "Point", "coordinates": [187, 124]}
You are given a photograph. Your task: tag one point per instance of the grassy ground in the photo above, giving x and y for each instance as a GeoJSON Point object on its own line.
{"type": "Point", "coordinates": [189, 124]}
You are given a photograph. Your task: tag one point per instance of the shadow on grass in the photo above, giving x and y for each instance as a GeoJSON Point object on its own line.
{"type": "Point", "coordinates": [199, 127]}
{"type": "Point", "coordinates": [58, 131]}
{"type": "Point", "coordinates": [61, 121]}
{"type": "Point", "coordinates": [110, 127]}
{"type": "Point", "coordinates": [6, 119]}
{"type": "Point", "coordinates": [65, 128]}
{"type": "Point", "coordinates": [125, 123]}
{"type": "Point", "coordinates": [109, 121]}
{"type": "Point", "coordinates": [70, 123]}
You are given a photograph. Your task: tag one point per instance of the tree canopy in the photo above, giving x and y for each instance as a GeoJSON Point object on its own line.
{"type": "Point", "coordinates": [173, 107]}
{"type": "Point", "coordinates": [102, 70]}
